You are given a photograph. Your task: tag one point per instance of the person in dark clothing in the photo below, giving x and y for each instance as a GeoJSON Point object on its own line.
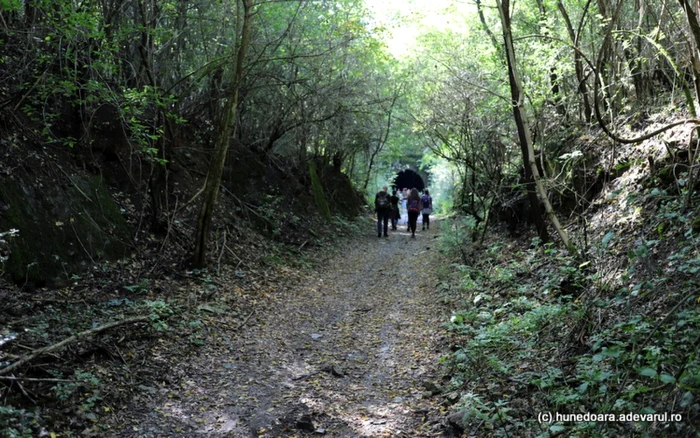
{"type": "Point", "coordinates": [382, 205]}
{"type": "Point", "coordinates": [414, 206]}
{"type": "Point", "coordinates": [395, 213]}
{"type": "Point", "coordinates": [427, 201]}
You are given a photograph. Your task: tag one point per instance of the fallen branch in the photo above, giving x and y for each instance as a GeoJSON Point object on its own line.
{"type": "Point", "coordinates": [36, 353]}
{"type": "Point", "coordinates": [221, 254]}
{"type": "Point", "coordinates": [55, 301]}
{"type": "Point", "coordinates": [26, 394]}
{"type": "Point", "coordinates": [33, 379]}
{"type": "Point", "coordinates": [246, 320]}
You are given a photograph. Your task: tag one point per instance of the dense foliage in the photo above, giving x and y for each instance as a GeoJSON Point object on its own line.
{"type": "Point", "coordinates": [531, 111]}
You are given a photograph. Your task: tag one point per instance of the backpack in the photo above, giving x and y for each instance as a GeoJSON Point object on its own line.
{"type": "Point", "coordinates": [427, 201]}
{"type": "Point", "coordinates": [413, 205]}
{"type": "Point", "coordinates": [383, 202]}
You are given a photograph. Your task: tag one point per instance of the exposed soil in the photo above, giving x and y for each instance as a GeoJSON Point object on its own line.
{"type": "Point", "coordinates": [347, 350]}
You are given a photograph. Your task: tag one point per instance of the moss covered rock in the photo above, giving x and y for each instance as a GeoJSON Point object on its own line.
{"type": "Point", "coordinates": [63, 226]}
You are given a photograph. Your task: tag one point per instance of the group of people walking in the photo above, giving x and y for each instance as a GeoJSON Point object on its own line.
{"type": "Point", "coordinates": [388, 207]}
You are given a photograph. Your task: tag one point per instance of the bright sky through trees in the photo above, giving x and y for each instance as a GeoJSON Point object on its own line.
{"type": "Point", "coordinates": [404, 20]}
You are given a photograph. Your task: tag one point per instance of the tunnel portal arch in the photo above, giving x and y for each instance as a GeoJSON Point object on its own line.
{"type": "Point", "coordinates": [409, 179]}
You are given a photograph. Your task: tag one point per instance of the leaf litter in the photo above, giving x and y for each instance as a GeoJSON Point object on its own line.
{"type": "Point", "coordinates": [344, 350]}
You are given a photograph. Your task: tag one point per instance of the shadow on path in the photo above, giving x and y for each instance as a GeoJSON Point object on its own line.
{"type": "Point", "coordinates": [344, 352]}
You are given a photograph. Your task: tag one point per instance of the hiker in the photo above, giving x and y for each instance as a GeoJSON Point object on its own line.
{"type": "Point", "coordinates": [395, 213]}
{"type": "Point", "coordinates": [404, 215]}
{"type": "Point", "coordinates": [382, 205]}
{"type": "Point", "coordinates": [414, 207]}
{"type": "Point", "coordinates": [427, 201]}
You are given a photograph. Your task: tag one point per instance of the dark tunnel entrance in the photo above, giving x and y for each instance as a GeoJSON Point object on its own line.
{"type": "Point", "coordinates": [409, 179]}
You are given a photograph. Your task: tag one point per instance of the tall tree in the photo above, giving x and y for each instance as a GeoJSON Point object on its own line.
{"type": "Point", "coordinates": [223, 139]}
{"type": "Point", "coordinates": [523, 126]}
{"type": "Point", "coordinates": [575, 36]}
{"type": "Point", "coordinates": [380, 141]}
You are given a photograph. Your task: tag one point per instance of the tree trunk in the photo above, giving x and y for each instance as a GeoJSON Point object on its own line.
{"type": "Point", "coordinates": [158, 183]}
{"type": "Point", "coordinates": [638, 79]}
{"type": "Point", "coordinates": [486, 27]}
{"type": "Point", "coordinates": [694, 26]}
{"type": "Point", "coordinates": [695, 45]}
{"type": "Point", "coordinates": [517, 97]}
{"type": "Point", "coordinates": [578, 61]}
{"type": "Point", "coordinates": [226, 124]}
{"type": "Point", "coordinates": [381, 142]}
{"type": "Point", "coordinates": [554, 81]}
{"type": "Point", "coordinates": [524, 135]}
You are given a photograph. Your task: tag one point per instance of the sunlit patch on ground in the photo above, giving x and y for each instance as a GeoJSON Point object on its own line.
{"type": "Point", "coordinates": [342, 352]}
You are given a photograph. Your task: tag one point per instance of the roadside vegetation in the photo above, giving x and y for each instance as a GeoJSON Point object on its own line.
{"type": "Point", "coordinates": [167, 166]}
{"type": "Point", "coordinates": [614, 331]}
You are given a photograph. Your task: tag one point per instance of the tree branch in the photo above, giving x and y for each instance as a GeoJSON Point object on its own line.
{"type": "Point", "coordinates": [93, 331]}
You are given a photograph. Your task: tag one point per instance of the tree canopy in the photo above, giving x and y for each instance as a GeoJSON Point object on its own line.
{"type": "Point", "coordinates": [510, 112]}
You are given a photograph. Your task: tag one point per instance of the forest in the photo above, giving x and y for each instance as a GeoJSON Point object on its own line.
{"type": "Point", "coordinates": [187, 218]}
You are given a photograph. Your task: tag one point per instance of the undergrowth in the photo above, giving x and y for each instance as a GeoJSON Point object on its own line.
{"type": "Point", "coordinates": [74, 390]}
{"type": "Point", "coordinates": [541, 333]}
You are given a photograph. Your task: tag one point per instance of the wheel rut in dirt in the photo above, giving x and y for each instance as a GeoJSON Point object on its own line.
{"type": "Point", "coordinates": [344, 352]}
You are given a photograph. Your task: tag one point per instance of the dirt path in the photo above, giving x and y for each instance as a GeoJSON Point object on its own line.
{"type": "Point", "coordinates": [344, 353]}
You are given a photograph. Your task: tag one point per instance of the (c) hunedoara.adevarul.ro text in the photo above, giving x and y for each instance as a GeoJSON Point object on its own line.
{"type": "Point", "coordinates": [548, 417]}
